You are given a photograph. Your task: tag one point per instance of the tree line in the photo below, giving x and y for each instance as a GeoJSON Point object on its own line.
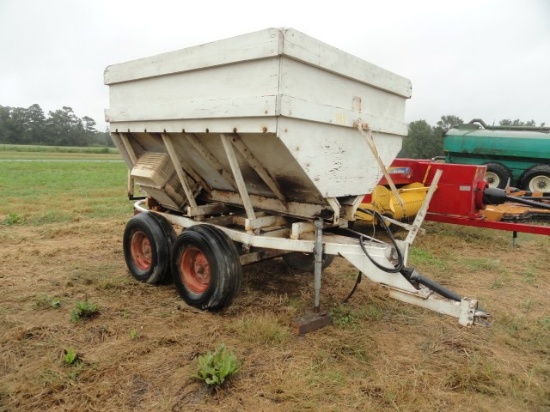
{"type": "Point", "coordinates": [19, 125]}
{"type": "Point", "coordinates": [426, 142]}
{"type": "Point", "coordinates": [62, 127]}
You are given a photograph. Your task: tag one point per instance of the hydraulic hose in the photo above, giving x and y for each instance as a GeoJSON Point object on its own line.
{"type": "Point", "coordinates": [528, 202]}
{"type": "Point", "coordinates": [495, 196]}
{"type": "Point", "coordinates": [400, 260]}
{"type": "Point", "coordinates": [409, 273]}
{"type": "Point", "coordinates": [412, 275]}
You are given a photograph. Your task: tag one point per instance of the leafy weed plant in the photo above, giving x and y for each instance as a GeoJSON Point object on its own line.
{"type": "Point", "coordinates": [70, 357]}
{"type": "Point", "coordinates": [215, 368]}
{"type": "Point", "coordinates": [46, 302]}
{"type": "Point", "coordinates": [343, 316]}
{"type": "Point", "coordinates": [84, 310]}
{"type": "Point", "coordinates": [134, 334]}
{"type": "Point", "coordinates": [13, 219]}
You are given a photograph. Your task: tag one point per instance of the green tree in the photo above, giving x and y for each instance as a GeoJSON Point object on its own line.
{"type": "Point", "coordinates": [37, 123]}
{"type": "Point", "coordinates": [444, 124]}
{"type": "Point", "coordinates": [89, 124]}
{"type": "Point", "coordinates": [64, 128]}
{"type": "Point", "coordinates": [421, 142]}
{"type": "Point", "coordinates": [60, 128]}
{"type": "Point", "coordinates": [518, 122]}
{"type": "Point", "coordinates": [20, 125]}
{"type": "Point", "coordinates": [104, 138]}
{"type": "Point", "coordinates": [449, 121]}
{"type": "Point", "coordinates": [5, 130]}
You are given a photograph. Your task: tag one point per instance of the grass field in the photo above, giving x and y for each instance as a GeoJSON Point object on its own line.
{"type": "Point", "coordinates": [61, 225]}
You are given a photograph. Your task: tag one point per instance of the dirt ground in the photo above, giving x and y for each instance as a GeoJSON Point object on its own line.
{"type": "Point", "coordinates": [141, 351]}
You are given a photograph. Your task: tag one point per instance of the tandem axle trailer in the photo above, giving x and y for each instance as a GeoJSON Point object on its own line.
{"type": "Point", "coordinates": [257, 147]}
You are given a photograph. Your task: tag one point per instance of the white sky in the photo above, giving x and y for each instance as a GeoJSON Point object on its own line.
{"type": "Point", "coordinates": [486, 59]}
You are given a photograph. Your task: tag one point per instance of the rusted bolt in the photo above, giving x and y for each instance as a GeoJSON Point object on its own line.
{"type": "Point", "coordinates": [264, 129]}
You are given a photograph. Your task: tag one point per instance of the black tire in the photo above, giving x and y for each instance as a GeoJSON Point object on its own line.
{"type": "Point", "coordinates": [206, 267]}
{"type": "Point", "coordinates": [147, 241]}
{"type": "Point", "coordinates": [170, 235]}
{"type": "Point", "coordinates": [536, 179]}
{"type": "Point", "coordinates": [305, 262]}
{"type": "Point", "coordinates": [497, 175]}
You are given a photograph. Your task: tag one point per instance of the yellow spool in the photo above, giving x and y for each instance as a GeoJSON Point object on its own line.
{"type": "Point", "coordinates": [385, 202]}
{"type": "Point", "coordinates": [413, 196]}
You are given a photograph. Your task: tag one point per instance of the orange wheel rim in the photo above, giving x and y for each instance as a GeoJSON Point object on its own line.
{"type": "Point", "coordinates": [195, 270]}
{"type": "Point", "coordinates": [140, 248]}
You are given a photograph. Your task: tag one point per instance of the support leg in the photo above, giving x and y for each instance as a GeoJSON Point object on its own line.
{"type": "Point", "coordinates": [318, 264]}
{"type": "Point", "coordinates": [317, 318]}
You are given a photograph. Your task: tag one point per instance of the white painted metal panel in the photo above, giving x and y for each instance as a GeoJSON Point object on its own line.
{"type": "Point", "coordinates": [337, 160]}
{"type": "Point", "coordinates": [304, 48]}
{"type": "Point", "coordinates": [314, 94]}
{"type": "Point", "coordinates": [219, 92]}
{"type": "Point", "coordinates": [271, 73]}
{"type": "Point", "coordinates": [291, 99]}
{"type": "Point", "coordinates": [247, 47]}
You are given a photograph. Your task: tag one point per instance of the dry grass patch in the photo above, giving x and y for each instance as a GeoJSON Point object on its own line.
{"type": "Point", "coordinates": [142, 349]}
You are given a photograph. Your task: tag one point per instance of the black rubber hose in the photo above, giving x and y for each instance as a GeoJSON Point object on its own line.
{"type": "Point", "coordinates": [412, 275]}
{"type": "Point", "coordinates": [400, 260]}
{"type": "Point", "coordinates": [357, 281]}
{"type": "Point", "coordinates": [527, 202]}
{"type": "Point", "coordinates": [495, 196]}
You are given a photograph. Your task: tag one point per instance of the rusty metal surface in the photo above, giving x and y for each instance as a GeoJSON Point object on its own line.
{"type": "Point", "coordinates": [310, 322]}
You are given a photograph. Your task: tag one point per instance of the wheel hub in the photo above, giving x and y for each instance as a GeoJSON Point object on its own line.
{"type": "Point", "coordinates": [492, 179]}
{"type": "Point", "coordinates": [195, 270]}
{"type": "Point", "coordinates": [140, 248]}
{"type": "Point", "coordinates": [540, 184]}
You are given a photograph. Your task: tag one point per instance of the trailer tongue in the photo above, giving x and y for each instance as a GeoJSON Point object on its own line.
{"type": "Point", "coordinates": [249, 147]}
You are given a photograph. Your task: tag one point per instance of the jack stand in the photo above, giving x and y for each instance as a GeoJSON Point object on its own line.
{"type": "Point", "coordinates": [317, 318]}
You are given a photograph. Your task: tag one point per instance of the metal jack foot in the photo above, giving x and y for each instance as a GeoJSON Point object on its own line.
{"type": "Point", "coordinates": [311, 321]}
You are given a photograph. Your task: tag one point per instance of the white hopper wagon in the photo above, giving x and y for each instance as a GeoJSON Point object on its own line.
{"type": "Point", "coordinates": [251, 146]}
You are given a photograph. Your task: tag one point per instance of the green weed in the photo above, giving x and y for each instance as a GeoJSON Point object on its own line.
{"type": "Point", "coordinates": [215, 368]}
{"type": "Point", "coordinates": [13, 219]}
{"type": "Point", "coordinates": [343, 316]}
{"type": "Point", "coordinates": [84, 310]}
{"type": "Point", "coordinates": [134, 334]}
{"type": "Point", "coordinates": [70, 357]}
{"type": "Point", "coordinates": [45, 302]}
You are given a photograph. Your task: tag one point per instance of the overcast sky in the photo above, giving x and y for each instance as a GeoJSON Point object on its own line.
{"type": "Point", "coordinates": [487, 59]}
